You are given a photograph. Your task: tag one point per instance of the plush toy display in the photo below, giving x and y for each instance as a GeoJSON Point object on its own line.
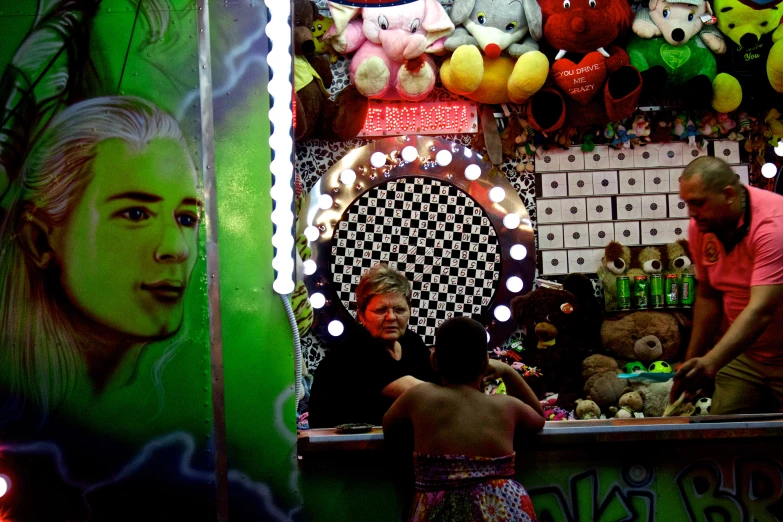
{"type": "Point", "coordinates": [679, 254]}
{"type": "Point", "coordinates": [587, 409]}
{"type": "Point", "coordinates": [645, 336]}
{"type": "Point", "coordinates": [317, 116]}
{"type": "Point", "coordinates": [392, 44]}
{"type": "Point", "coordinates": [656, 398]}
{"type": "Point", "coordinates": [630, 405]}
{"type": "Point", "coordinates": [596, 77]}
{"type": "Point", "coordinates": [755, 51]}
{"type": "Point", "coordinates": [621, 260]}
{"type": "Point", "coordinates": [673, 47]}
{"type": "Point", "coordinates": [553, 341]}
{"type": "Point", "coordinates": [602, 383]}
{"type": "Point", "coordinates": [322, 24]}
{"type": "Point", "coordinates": [495, 51]}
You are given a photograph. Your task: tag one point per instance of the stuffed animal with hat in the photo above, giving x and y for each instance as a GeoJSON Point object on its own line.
{"type": "Point", "coordinates": [754, 49]}
{"type": "Point", "coordinates": [317, 115]}
{"type": "Point", "coordinates": [392, 45]}
{"type": "Point", "coordinates": [591, 80]}
{"type": "Point", "coordinates": [673, 47]}
{"type": "Point", "coordinates": [495, 51]}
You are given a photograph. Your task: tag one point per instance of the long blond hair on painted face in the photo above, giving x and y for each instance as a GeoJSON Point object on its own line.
{"type": "Point", "coordinates": [40, 360]}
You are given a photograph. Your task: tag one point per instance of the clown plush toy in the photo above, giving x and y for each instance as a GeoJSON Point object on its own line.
{"type": "Point", "coordinates": [496, 57]}
{"type": "Point", "coordinates": [673, 47]}
{"type": "Point", "coordinates": [591, 80]}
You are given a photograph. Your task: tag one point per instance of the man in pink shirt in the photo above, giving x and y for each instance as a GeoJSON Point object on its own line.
{"type": "Point", "coordinates": [736, 237]}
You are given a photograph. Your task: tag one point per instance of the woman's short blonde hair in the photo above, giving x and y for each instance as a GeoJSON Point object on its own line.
{"type": "Point", "coordinates": [378, 280]}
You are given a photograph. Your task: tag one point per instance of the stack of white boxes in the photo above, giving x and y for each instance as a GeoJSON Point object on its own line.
{"type": "Point", "coordinates": [588, 199]}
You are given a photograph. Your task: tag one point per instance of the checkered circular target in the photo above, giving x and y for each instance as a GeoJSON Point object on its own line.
{"type": "Point", "coordinates": [432, 232]}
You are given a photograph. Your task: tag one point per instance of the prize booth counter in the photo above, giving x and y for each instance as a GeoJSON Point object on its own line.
{"type": "Point", "coordinates": [727, 468]}
{"type": "Point", "coordinates": [461, 232]}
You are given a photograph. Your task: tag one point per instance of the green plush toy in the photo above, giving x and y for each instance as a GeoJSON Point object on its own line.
{"type": "Point", "coordinates": [677, 37]}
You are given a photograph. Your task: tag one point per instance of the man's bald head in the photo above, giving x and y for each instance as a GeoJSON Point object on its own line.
{"type": "Point", "coordinates": [715, 173]}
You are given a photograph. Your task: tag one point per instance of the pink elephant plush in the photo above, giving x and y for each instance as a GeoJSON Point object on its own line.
{"type": "Point", "coordinates": [392, 46]}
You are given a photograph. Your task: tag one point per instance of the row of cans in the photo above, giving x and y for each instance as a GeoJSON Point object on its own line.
{"type": "Point", "coordinates": [658, 291]}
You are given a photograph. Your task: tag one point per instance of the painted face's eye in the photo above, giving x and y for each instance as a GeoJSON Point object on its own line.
{"type": "Point", "coordinates": [592, 4]}
{"type": "Point", "coordinates": [135, 214]}
{"type": "Point", "coordinates": [666, 12]}
{"type": "Point", "coordinates": [482, 18]}
{"type": "Point", "coordinates": [187, 220]}
{"type": "Point", "coordinates": [764, 24]}
{"type": "Point", "coordinates": [732, 26]}
{"type": "Point", "coordinates": [312, 29]}
{"type": "Point", "coordinates": [320, 27]}
{"type": "Point", "coordinates": [383, 23]}
{"type": "Point", "coordinates": [566, 4]}
{"type": "Point", "coordinates": [510, 27]}
{"type": "Point", "coordinates": [691, 16]}
{"type": "Point", "coordinates": [415, 25]}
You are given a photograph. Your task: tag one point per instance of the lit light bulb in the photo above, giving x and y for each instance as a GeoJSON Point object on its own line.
{"type": "Point", "coordinates": [309, 267]}
{"type": "Point", "coordinates": [472, 172]}
{"type": "Point", "coordinates": [514, 284]}
{"type": "Point", "coordinates": [378, 159]}
{"type": "Point", "coordinates": [336, 328]}
{"type": "Point", "coordinates": [410, 153]}
{"type": "Point", "coordinates": [311, 233]}
{"type": "Point", "coordinates": [779, 148]}
{"type": "Point", "coordinates": [443, 158]}
{"type": "Point", "coordinates": [318, 300]}
{"type": "Point", "coordinates": [325, 201]}
{"type": "Point", "coordinates": [502, 313]}
{"type": "Point", "coordinates": [497, 194]}
{"type": "Point", "coordinates": [5, 485]}
{"type": "Point", "coordinates": [518, 252]}
{"type": "Point", "coordinates": [511, 221]}
{"type": "Point", "coordinates": [347, 176]}
{"type": "Point", "coordinates": [768, 170]}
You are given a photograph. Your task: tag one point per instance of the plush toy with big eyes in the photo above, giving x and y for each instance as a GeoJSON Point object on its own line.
{"type": "Point", "coordinates": [591, 80]}
{"type": "Point", "coordinates": [673, 46]}
{"type": "Point", "coordinates": [392, 45]}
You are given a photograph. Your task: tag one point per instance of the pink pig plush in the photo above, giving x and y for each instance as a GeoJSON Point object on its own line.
{"type": "Point", "coordinates": [391, 45]}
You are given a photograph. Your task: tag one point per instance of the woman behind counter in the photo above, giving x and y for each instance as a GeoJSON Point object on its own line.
{"type": "Point", "coordinates": [380, 358]}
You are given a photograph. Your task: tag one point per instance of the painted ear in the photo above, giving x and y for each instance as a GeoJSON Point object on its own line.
{"type": "Point", "coordinates": [460, 10]}
{"type": "Point", "coordinates": [34, 239]}
{"type": "Point", "coordinates": [709, 8]}
{"type": "Point", "coordinates": [653, 4]}
{"type": "Point", "coordinates": [534, 18]}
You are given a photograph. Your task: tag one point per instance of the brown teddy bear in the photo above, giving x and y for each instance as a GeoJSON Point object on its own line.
{"type": "Point", "coordinates": [586, 409]}
{"type": "Point", "coordinates": [555, 339]}
{"type": "Point", "coordinates": [645, 336]}
{"type": "Point", "coordinates": [317, 116]}
{"type": "Point", "coordinates": [602, 383]}
{"type": "Point", "coordinates": [630, 405]}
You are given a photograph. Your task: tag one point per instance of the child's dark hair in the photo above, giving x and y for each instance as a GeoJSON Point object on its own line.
{"type": "Point", "coordinates": [461, 350]}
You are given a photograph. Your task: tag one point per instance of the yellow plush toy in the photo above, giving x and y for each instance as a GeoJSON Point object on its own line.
{"type": "Point", "coordinates": [756, 32]}
{"type": "Point", "coordinates": [319, 28]}
{"type": "Point", "coordinates": [495, 51]}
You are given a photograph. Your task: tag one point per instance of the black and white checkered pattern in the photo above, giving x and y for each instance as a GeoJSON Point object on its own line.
{"type": "Point", "coordinates": [432, 232]}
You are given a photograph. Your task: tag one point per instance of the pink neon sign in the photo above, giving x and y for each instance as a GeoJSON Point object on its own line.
{"type": "Point", "coordinates": [392, 118]}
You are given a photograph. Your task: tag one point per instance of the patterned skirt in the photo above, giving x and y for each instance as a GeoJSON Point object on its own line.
{"type": "Point", "coordinates": [458, 488]}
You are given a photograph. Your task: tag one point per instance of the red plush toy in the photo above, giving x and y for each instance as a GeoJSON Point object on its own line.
{"type": "Point", "coordinates": [590, 79]}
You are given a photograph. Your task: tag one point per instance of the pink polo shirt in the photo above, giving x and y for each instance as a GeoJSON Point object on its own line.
{"type": "Point", "coordinates": [757, 260]}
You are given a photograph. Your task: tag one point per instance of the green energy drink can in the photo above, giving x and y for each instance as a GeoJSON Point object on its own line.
{"type": "Point", "coordinates": [640, 290]}
{"type": "Point", "coordinates": [688, 290]}
{"type": "Point", "coordinates": [672, 290]}
{"type": "Point", "coordinates": [623, 293]}
{"type": "Point", "coordinates": [656, 291]}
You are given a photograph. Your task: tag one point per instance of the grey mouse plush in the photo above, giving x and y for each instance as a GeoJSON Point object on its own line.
{"type": "Point", "coordinates": [495, 26]}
